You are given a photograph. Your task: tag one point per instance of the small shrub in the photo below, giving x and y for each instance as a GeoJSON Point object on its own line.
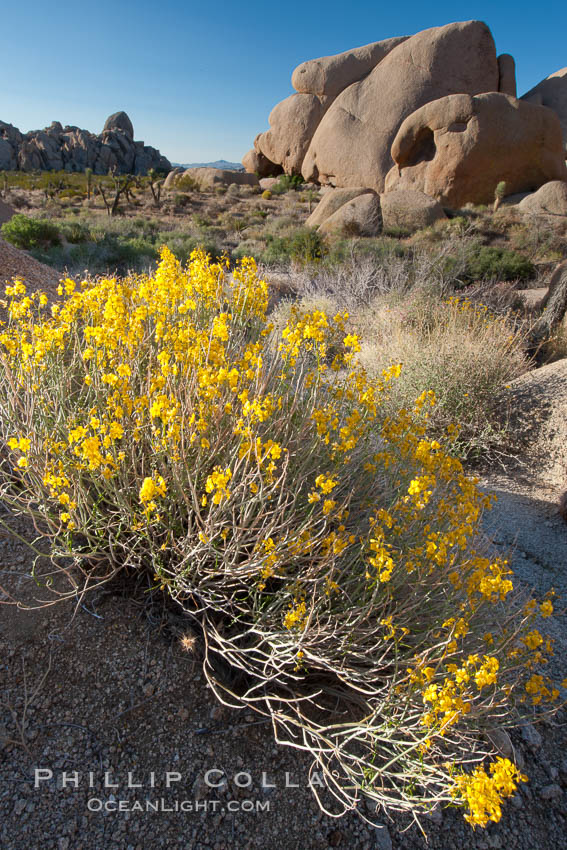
{"type": "Point", "coordinates": [396, 232]}
{"type": "Point", "coordinates": [201, 221]}
{"type": "Point", "coordinates": [302, 245]}
{"type": "Point", "coordinates": [491, 263]}
{"type": "Point", "coordinates": [186, 183]}
{"type": "Point", "coordinates": [28, 233]}
{"type": "Point", "coordinates": [181, 201]}
{"type": "Point", "coordinates": [344, 251]}
{"type": "Point", "coordinates": [287, 183]}
{"type": "Point", "coordinates": [75, 232]}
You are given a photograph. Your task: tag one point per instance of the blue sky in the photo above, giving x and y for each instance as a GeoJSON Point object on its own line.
{"type": "Point", "coordinates": [199, 80]}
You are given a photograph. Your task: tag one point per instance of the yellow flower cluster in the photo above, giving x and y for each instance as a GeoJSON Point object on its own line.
{"type": "Point", "coordinates": [217, 483]}
{"type": "Point", "coordinates": [296, 617]}
{"type": "Point", "coordinates": [484, 793]}
{"type": "Point", "coordinates": [150, 490]}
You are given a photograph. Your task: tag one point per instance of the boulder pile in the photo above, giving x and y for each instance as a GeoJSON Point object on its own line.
{"type": "Point", "coordinates": [68, 148]}
{"type": "Point", "coordinates": [434, 113]}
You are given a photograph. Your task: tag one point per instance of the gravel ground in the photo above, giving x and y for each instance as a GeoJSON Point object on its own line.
{"type": "Point", "coordinates": [110, 692]}
{"type": "Point", "coordinates": [16, 263]}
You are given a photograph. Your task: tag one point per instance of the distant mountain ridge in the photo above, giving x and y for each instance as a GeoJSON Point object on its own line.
{"type": "Point", "coordinates": [219, 163]}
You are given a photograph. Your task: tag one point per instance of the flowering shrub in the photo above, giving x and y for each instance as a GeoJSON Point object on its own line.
{"type": "Point", "coordinates": [152, 425]}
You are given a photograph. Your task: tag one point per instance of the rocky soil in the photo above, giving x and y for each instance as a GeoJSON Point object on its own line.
{"type": "Point", "coordinates": [106, 688]}
{"type": "Point", "coordinates": [16, 263]}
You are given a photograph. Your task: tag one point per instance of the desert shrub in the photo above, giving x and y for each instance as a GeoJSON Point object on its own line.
{"type": "Point", "coordinates": [186, 183]}
{"type": "Point", "coordinates": [233, 223]}
{"type": "Point", "coordinates": [536, 239]}
{"type": "Point", "coordinates": [464, 351]}
{"type": "Point", "coordinates": [460, 350]}
{"type": "Point", "coordinates": [489, 262]}
{"type": "Point", "coordinates": [147, 226]}
{"type": "Point", "coordinates": [301, 245]}
{"type": "Point", "coordinates": [27, 233]}
{"type": "Point", "coordinates": [344, 251]}
{"type": "Point", "coordinates": [103, 253]}
{"type": "Point", "coordinates": [181, 201]}
{"type": "Point", "coordinates": [201, 221]}
{"type": "Point", "coordinates": [397, 232]}
{"type": "Point", "coordinates": [248, 248]}
{"type": "Point", "coordinates": [183, 245]}
{"type": "Point", "coordinates": [287, 183]}
{"type": "Point", "coordinates": [75, 231]}
{"type": "Point", "coordinates": [150, 426]}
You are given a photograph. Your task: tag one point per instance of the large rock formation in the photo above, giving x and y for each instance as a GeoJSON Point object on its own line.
{"type": "Point", "coordinates": [351, 146]}
{"type": "Point", "coordinates": [552, 92]}
{"type": "Point", "coordinates": [292, 125]}
{"type": "Point", "coordinates": [339, 128]}
{"type": "Point", "coordinates": [329, 75]}
{"type": "Point", "coordinates": [72, 149]}
{"type": "Point", "coordinates": [458, 148]}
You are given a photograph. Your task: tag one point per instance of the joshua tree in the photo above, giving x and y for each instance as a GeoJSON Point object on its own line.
{"type": "Point", "coordinates": [499, 193]}
{"type": "Point", "coordinates": [122, 184]}
{"type": "Point", "coordinates": [89, 176]}
{"type": "Point", "coordinates": [155, 185]}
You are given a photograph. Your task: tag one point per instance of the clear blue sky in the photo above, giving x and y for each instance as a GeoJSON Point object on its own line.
{"type": "Point", "coordinates": [199, 80]}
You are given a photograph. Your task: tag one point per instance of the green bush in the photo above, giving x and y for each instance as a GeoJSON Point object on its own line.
{"type": "Point", "coordinates": [186, 183]}
{"type": "Point", "coordinates": [25, 232]}
{"type": "Point", "coordinates": [303, 245]}
{"type": "Point", "coordinates": [287, 183]}
{"type": "Point", "coordinates": [75, 232]}
{"type": "Point", "coordinates": [491, 263]}
{"type": "Point", "coordinates": [180, 201]}
{"type": "Point", "coordinates": [378, 249]}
